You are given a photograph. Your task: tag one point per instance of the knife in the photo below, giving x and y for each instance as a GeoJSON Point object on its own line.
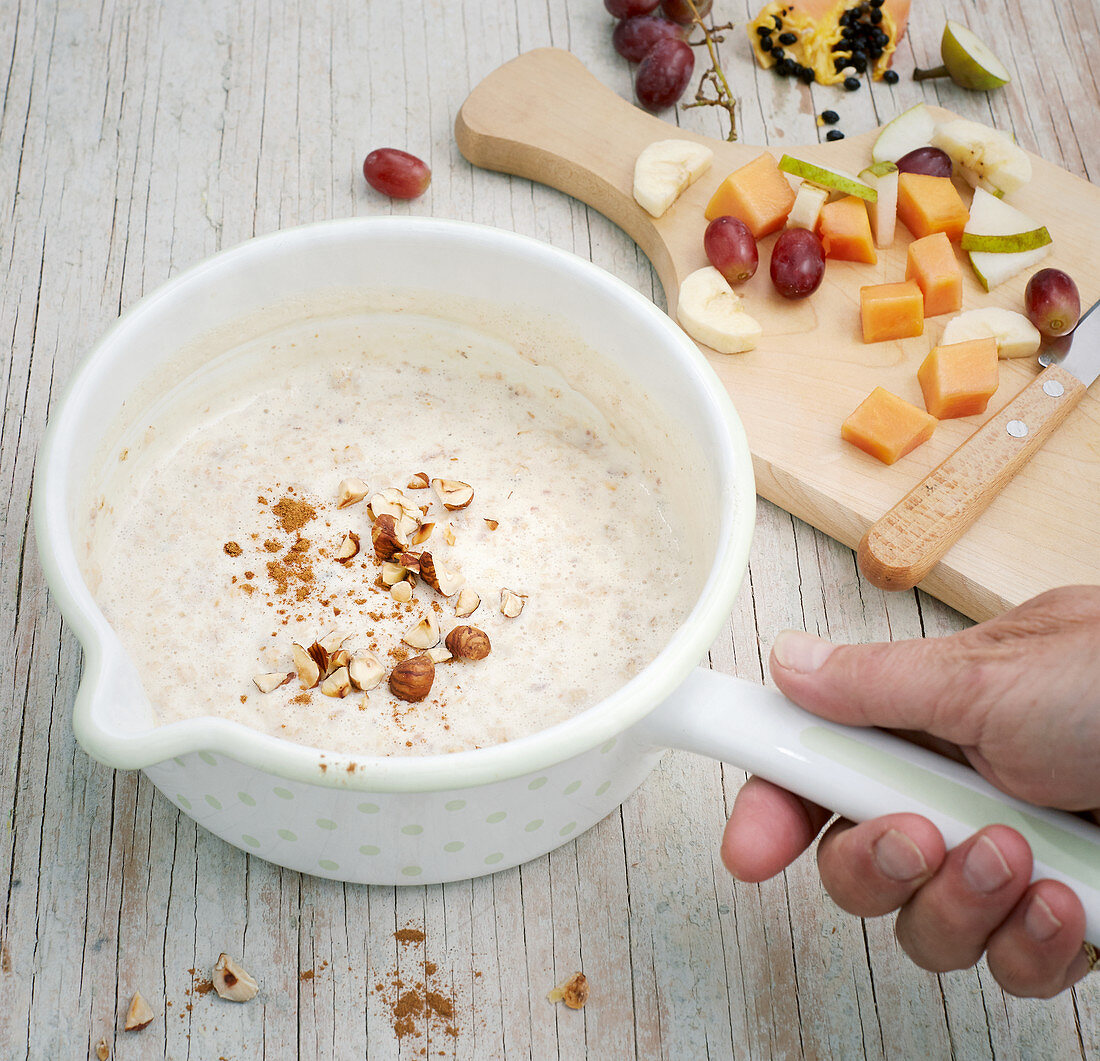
{"type": "Point", "coordinates": [903, 546]}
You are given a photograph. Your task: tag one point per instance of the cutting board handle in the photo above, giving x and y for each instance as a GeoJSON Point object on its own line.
{"type": "Point", "coordinates": [545, 117]}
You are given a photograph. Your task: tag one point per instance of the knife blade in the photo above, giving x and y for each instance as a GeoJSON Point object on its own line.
{"type": "Point", "coordinates": [900, 549]}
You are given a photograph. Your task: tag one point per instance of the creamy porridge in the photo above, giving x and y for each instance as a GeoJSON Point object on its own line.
{"type": "Point", "coordinates": [244, 547]}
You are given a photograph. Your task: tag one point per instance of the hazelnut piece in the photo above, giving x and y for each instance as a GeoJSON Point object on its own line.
{"type": "Point", "coordinates": [573, 992]}
{"type": "Point", "coordinates": [309, 673]}
{"type": "Point", "coordinates": [384, 537]}
{"type": "Point", "coordinates": [268, 683]}
{"type": "Point", "coordinates": [350, 492]}
{"type": "Point", "coordinates": [468, 642]}
{"type": "Point", "coordinates": [439, 654]}
{"type": "Point", "coordinates": [418, 482]}
{"type": "Point", "coordinates": [511, 604]}
{"type": "Point", "coordinates": [401, 592]}
{"type": "Point", "coordinates": [466, 603]}
{"type": "Point", "coordinates": [365, 672]}
{"type": "Point", "coordinates": [349, 548]}
{"type": "Point", "coordinates": [424, 634]}
{"type": "Point", "coordinates": [453, 494]}
{"type": "Point", "coordinates": [139, 1014]}
{"type": "Point", "coordinates": [411, 680]}
{"type": "Point", "coordinates": [232, 982]}
{"type": "Point", "coordinates": [440, 577]}
{"type": "Point", "coordinates": [421, 534]}
{"type": "Point", "coordinates": [102, 1050]}
{"type": "Point", "coordinates": [337, 684]}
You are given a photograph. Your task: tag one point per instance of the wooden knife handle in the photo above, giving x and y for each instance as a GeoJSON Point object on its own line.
{"type": "Point", "coordinates": [902, 547]}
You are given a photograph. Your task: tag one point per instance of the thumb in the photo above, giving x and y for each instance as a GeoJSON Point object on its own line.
{"type": "Point", "coordinates": [926, 684]}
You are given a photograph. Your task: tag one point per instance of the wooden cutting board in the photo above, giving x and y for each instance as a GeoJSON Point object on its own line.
{"type": "Point", "coordinates": [543, 116]}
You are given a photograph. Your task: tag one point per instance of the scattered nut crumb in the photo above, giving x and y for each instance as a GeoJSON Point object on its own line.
{"type": "Point", "coordinates": [102, 1050]}
{"type": "Point", "coordinates": [349, 548]}
{"type": "Point", "coordinates": [492, 524]}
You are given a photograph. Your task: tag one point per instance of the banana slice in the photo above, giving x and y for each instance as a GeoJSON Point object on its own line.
{"type": "Point", "coordinates": [1015, 335]}
{"type": "Point", "coordinates": [711, 312]}
{"type": "Point", "coordinates": [664, 169]}
{"type": "Point", "coordinates": [987, 158]}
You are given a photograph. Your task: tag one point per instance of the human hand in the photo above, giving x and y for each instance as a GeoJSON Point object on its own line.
{"type": "Point", "coordinates": [1019, 696]}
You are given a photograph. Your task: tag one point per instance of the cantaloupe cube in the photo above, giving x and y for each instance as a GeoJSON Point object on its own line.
{"type": "Point", "coordinates": [846, 231]}
{"type": "Point", "coordinates": [758, 193]}
{"type": "Point", "coordinates": [891, 311]}
{"type": "Point", "coordinates": [931, 204]}
{"type": "Point", "coordinates": [959, 380]}
{"type": "Point", "coordinates": [932, 263]}
{"type": "Point", "coordinates": [887, 427]}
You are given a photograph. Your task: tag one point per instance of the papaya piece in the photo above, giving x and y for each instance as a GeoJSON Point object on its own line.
{"type": "Point", "coordinates": [932, 263]}
{"type": "Point", "coordinates": [816, 24]}
{"type": "Point", "coordinates": [887, 427]}
{"type": "Point", "coordinates": [758, 193]}
{"type": "Point", "coordinates": [845, 231]}
{"type": "Point", "coordinates": [931, 204]}
{"type": "Point", "coordinates": [959, 379]}
{"type": "Point", "coordinates": [891, 311]}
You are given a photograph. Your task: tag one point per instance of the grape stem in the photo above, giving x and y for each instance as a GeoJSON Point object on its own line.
{"type": "Point", "coordinates": [714, 77]}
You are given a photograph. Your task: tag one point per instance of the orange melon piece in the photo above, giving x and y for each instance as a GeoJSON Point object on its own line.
{"type": "Point", "coordinates": [887, 427]}
{"type": "Point", "coordinates": [932, 263]}
{"type": "Point", "coordinates": [845, 231]}
{"type": "Point", "coordinates": [931, 204]}
{"type": "Point", "coordinates": [757, 193]}
{"type": "Point", "coordinates": [959, 379]}
{"type": "Point", "coordinates": [891, 311]}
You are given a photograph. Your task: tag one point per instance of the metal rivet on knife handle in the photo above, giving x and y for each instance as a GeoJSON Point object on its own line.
{"type": "Point", "coordinates": [1016, 428]}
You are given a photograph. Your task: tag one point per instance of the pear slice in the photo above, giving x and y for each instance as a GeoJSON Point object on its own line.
{"type": "Point", "coordinates": [808, 201]}
{"type": "Point", "coordinates": [711, 312]}
{"type": "Point", "coordinates": [1014, 334]}
{"type": "Point", "coordinates": [833, 180]}
{"type": "Point", "coordinates": [665, 169]}
{"type": "Point", "coordinates": [883, 213]}
{"type": "Point", "coordinates": [909, 130]}
{"type": "Point", "coordinates": [1001, 240]}
{"type": "Point", "coordinates": [987, 158]}
{"type": "Point", "coordinates": [967, 60]}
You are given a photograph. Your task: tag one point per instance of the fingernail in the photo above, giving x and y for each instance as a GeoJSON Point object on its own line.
{"type": "Point", "coordinates": [798, 651]}
{"type": "Point", "coordinates": [985, 868]}
{"type": "Point", "coordinates": [1039, 920]}
{"type": "Point", "coordinates": [897, 857]}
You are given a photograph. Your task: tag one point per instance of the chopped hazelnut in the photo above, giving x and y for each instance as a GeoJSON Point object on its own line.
{"type": "Point", "coordinates": [492, 524]}
{"type": "Point", "coordinates": [365, 672]}
{"type": "Point", "coordinates": [511, 604]}
{"type": "Point", "coordinates": [401, 592]}
{"type": "Point", "coordinates": [268, 683]}
{"type": "Point", "coordinates": [139, 1014]}
{"type": "Point", "coordinates": [573, 992]}
{"type": "Point", "coordinates": [439, 654]}
{"type": "Point", "coordinates": [466, 603]}
{"type": "Point", "coordinates": [453, 494]}
{"type": "Point", "coordinates": [232, 982]}
{"type": "Point", "coordinates": [449, 534]}
{"type": "Point", "coordinates": [421, 534]}
{"type": "Point", "coordinates": [351, 492]}
{"type": "Point", "coordinates": [441, 578]}
{"type": "Point", "coordinates": [337, 684]}
{"type": "Point", "coordinates": [349, 548]}
{"type": "Point", "coordinates": [102, 1050]}
{"type": "Point", "coordinates": [418, 482]}
{"type": "Point", "coordinates": [424, 634]}
{"type": "Point", "coordinates": [309, 674]}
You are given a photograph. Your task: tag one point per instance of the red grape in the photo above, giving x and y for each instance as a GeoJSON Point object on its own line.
{"type": "Point", "coordinates": [1052, 302]}
{"type": "Point", "coordinates": [798, 263]}
{"type": "Point", "coordinates": [630, 8]}
{"type": "Point", "coordinates": [731, 249]}
{"type": "Point", "coordinates": [680, 10]}
{"type": "Point", "coordinates": [929, 160]}
{"type": "Point", "coordinates": [664, 73]}
{"type": "Point", "coordinates": [635, 37]}
{"type": "Point", "coordinates": [396, 173]}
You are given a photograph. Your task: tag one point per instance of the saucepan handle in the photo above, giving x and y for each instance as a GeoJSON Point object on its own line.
{"type": "Point", "coordinates": [862, 773]}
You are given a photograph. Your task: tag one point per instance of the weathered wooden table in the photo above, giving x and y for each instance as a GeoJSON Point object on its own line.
{"type": "Point", "coordinates": [136, 138]}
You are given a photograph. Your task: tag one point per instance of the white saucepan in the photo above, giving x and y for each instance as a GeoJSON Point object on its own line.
{"type": "Point", "coordinates": [447, 817]}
